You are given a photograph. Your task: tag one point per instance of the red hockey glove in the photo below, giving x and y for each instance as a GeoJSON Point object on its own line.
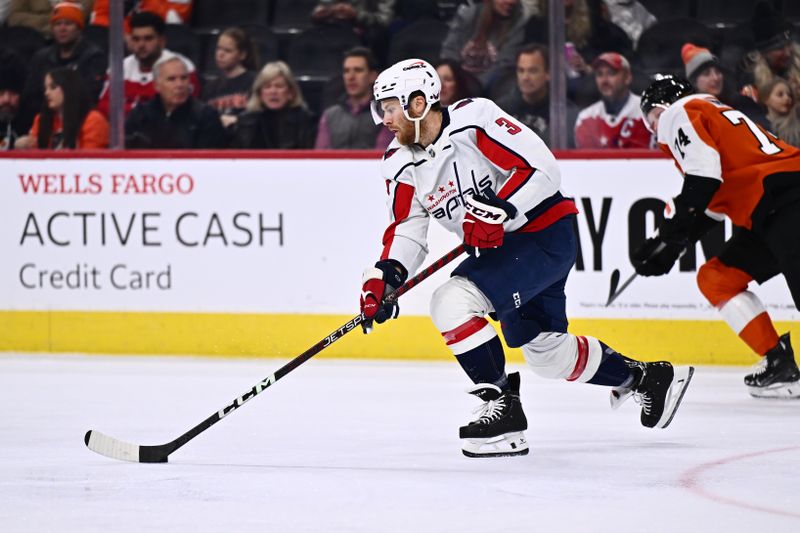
{"type": "Point", "coordinates": [483, 222]}
{"type": "Point", "coordinates": [379, 282]}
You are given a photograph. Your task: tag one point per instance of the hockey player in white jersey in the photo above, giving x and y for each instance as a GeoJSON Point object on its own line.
{"type": "Point", "coordinates": [491, 181]}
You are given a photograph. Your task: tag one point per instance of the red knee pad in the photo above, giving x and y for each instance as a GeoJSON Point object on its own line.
{"type": "Point", "coordinates": [719, 283]}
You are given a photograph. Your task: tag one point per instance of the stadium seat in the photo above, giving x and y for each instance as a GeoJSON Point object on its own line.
{"type": "Point", "coordinates": [223, 13]}
{"type": "Point", "coordinates": [319, 51]}
{"type": "Point", "coordinates": [181, 39]}
{"type": "Point", "coordinates": [291, 16]}
{"type": "Point", "coordinates": [23, 40]}
{"type": "Point", "coordinates": [670, 9]}
{"type": "Point", "coordinates": [422, 39]}
{"type": "Point", "coordinates": [313, 90]}
{"type": "Point", "coordinates": [724, 13]}
{"type": "Point", "coordinates": [98, 35]}
{"type": "Point", "coordinates": [660, 45]}
{"type": "Point", "coordinates": [734, 43]}
{"type": "Point", "coordinates": [791, 10]}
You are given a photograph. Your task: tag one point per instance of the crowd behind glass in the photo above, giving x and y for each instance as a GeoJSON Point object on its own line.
{"type": "Point", "coordinates": [252, 85]}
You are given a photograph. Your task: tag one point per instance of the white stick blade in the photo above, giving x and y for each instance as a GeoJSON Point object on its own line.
{"type": "Point", "coordinates": [111, 447]}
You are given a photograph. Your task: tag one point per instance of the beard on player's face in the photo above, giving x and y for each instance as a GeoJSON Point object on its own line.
{"type": "Point", "coordinates": [405, 132]}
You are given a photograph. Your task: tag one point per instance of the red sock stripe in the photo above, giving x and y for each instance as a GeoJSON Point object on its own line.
{"type": "Point", "coordinates": [473, 325]}
{"type": "Point", "coordinates": [583, 357]}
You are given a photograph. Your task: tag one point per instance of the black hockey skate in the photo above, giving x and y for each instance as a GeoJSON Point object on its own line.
{"type": "Point", "coordinates": [659, 388]}
{"type": "Point", "coordinates": [498, 431]}
{"type": "Point", "coordinates": [777, 375]}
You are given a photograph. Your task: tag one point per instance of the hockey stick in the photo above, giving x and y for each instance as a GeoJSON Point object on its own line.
{"type": "Point", "coordinates": [125, 451]}
{"type": "Point", "coordinates": [613, 293]}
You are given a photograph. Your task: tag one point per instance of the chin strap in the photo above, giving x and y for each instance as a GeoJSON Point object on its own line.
{"type": "Point", "coordinates": [417, 121]}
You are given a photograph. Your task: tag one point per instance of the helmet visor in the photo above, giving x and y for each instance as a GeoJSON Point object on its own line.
{"type": "Point", "coordinates": [376, 109]}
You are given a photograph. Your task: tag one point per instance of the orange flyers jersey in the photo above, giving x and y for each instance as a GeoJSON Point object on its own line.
{"type": "Point", "coordinates": [710, 139]}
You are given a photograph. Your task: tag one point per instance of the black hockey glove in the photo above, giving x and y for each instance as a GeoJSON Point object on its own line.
{"type": "Point", "coordinates": [379, 282]}
{"type": "Point", "coordinates": [656, 257]}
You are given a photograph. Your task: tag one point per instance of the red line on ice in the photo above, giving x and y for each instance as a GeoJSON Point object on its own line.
{"type": "Point", "coordinates": [690, 480]}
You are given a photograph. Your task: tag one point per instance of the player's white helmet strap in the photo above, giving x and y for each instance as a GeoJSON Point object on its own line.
{"type": "Point", "coordinates": [400, 81]}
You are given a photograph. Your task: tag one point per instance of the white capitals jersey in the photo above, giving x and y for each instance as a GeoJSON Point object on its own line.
{"type": "Point", "coordinates": [480, 147]}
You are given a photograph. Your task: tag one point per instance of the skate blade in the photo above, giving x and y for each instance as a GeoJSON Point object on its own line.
{"type": "Point", "coordinates": [507, 445]}
{"type": "Point", "coordinates": [777, 391]}
{"type": "Point", "coordinates": [680, 380]}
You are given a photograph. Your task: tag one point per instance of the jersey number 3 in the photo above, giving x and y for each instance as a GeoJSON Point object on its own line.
{"type": "Point", "coordinates": [737, 117]}
{"type": "Point", "coordinates": [512, 128]}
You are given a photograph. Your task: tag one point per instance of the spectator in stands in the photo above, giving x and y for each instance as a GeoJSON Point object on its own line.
{"type": "Point", "coordinates": [172, 12]}
{"type": "Point", "coordinates": [277, 116]}
{"type": "Point", "coordinates": [589, 33]}
{"type": "Point", "coordinates": [782, 110]}
{"type": "Point", "coordinates": [148, 43]}
{"type": "Point", "coordinates": [615, 121]}
{"type": "Point", "coordinates": [631, 16]}
{"type": "Point", "coordinates": [12, 77]}
{"type": "Point", "coordinates": [588, 30]}
{"type": "Point", "coordinates": [369, 18]}
{"type": "Point", "coordinates": [530, 101]}
{"type": "Point", "coordinates": [349, 123]}
{"type": "Point", "coordinates": [706, 75]}
{"type": "Point", "coordinates": [484, 37]}
{"type": "Point", "coordinates": [237, 61]}
{"type": "Point", "coordinates": [67, 120]}
{"type": "Point", "coordinates": [36, 14]}
{"type": "Point", "coordinates": [174, 119]}
{"type": "Point", "coordinates": [457, 83]}
{"type": "Point", "coordinates": [359, 13]}
{"type": "Point", "coordinates": [69, 49]}
{"type": "Point", "coordinates": [775, 54]}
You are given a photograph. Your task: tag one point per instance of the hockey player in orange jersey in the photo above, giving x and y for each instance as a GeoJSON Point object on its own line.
{"type": "Point", "coordinates": [734, 168]}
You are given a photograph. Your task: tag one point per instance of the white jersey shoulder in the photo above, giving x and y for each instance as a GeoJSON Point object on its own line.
{"type": "Point", "coordinates": [690, 151]}
{"type": "Point", "coordinates": [398, 160]}
{"type": "Point", "coordinates": [471, 112]}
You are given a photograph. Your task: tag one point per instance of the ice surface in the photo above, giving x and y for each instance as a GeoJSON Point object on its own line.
{"type": "Point", "coordinates": [372, 447]}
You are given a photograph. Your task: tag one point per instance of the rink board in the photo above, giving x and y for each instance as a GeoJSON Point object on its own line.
{"type": "Point", "coordinates": [234, 254]}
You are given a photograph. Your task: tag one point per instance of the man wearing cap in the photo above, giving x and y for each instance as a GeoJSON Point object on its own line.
{"type": "Point", "coordinates": [69, 49]}
{"type": "Point", "coordinates": [704, 72]}
{"type": "Point", "coordinates": [776, 52]}
{"type": "Point", "coordinates": [12, 76]}
{"type": "Point", "coordinates": [615, 120]}
{"type": "Point", "coordinates": [35, 14]}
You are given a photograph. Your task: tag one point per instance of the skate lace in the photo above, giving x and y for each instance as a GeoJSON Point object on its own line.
{"type": "Point", "coordinates": [643, 398]}
{"type": "Point", "coordinates": [760, 367]}
{"type": "Point", "coordinates": [490, 411]}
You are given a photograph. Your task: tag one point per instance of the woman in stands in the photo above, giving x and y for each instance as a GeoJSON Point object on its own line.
{"type": "Point", "coordinates": [67, 120]}
{"type": "Point", "coordinates": [237, 60]}
{"type": "Point", "coordinates": [782, 111]}
{"type": "Point", "coordinates": [457, 83]}
{"type": "Point", "coordinates": [277, 116]}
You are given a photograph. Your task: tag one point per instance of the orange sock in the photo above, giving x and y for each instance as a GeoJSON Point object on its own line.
{"type": "Point", "coordinates": [759, 334]}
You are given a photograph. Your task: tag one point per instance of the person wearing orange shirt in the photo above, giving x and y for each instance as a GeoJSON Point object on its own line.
{"type": "Point", "coordinates": [731, 167]}
{"type": "Point", "coordinates": [172, 12]}
{"type": "Point", "coordinates": [66, 120]}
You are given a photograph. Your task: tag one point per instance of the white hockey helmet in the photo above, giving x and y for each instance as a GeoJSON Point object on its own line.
{"type": "Point", "coordinates": [403, 79]}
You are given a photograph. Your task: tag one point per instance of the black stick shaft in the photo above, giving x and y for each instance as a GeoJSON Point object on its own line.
{"type": "Point", "coordinates": [622, 288]}
{"type": "Point", "coordinates": [349, 326]}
